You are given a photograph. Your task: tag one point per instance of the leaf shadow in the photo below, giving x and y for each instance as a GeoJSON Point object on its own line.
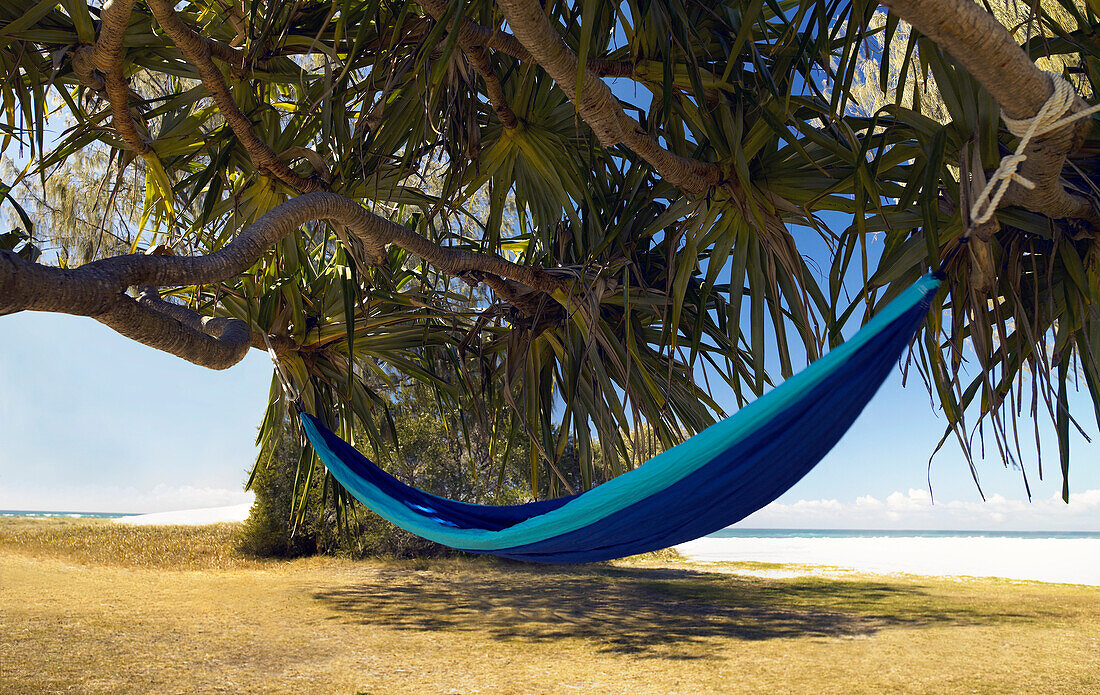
{"type": "Point", "coordinates": [657, 612]}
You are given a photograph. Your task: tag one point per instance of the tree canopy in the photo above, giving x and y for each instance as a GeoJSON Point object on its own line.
{"type": "Point", "coordinates": [569, 221]}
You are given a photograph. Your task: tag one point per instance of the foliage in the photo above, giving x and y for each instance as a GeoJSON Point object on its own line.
{"type": "Point", "coordinates": [86, 202]}
{"type": "Point", "coordinates": [289, 522]}
{"type": "Point", "coordinates": [1023, 343]}
{"type": "Point", "coordinates": [668, 295]}
{"type": "Point", "coordinates": [292, 517]}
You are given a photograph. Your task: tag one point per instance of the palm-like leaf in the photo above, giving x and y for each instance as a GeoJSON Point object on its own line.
{"type": "Point", "coordinates": [380, 101]}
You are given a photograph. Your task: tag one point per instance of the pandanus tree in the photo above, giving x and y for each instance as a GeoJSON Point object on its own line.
{"type": "Point", "coordinates": [570, 221]}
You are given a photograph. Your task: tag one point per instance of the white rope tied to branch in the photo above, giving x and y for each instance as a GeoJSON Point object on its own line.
{"type": "Point", "coordinates": [1049, 118]}
{"type": "Point", "coordinates": [284, 379]}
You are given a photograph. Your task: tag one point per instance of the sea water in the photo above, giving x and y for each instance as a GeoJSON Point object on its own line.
{"type": "Point", "coordinates": [1060, 556]}
{"type": "Point", "coordinates": [71, 515]}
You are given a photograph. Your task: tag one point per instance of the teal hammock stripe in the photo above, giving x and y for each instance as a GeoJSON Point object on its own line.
{"type": "Point", "coordinates": [710, 481]}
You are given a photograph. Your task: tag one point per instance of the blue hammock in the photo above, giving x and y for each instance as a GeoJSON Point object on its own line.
{"type": "Point", "coordinates": [708, 482]}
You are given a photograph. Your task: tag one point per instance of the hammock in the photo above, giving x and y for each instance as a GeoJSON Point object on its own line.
{"type": "Point", "coordinates": [708, 482]}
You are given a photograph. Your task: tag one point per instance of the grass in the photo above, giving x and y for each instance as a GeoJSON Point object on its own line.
{"type": "Point", "coordinates": [93, 607]}
{"type": "Point", "coordinates": [103, 542]}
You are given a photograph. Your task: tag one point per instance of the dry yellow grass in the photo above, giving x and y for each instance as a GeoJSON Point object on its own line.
{"type": "Point", "coordinates": [182, 614]}
{"type": "Point", "coordinates": [103, 542]}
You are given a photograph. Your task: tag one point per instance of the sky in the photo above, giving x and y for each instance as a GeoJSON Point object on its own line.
{"type": "Point", "coordinates": [92, 421]}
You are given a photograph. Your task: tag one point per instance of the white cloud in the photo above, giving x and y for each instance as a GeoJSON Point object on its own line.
{"type": "Point", "coordinates": [912, 509]}
{"type": "Point", "coordinates": [914, 501]}
{"type": "Point", "coordinates": [868, 502]}
{"type": "Point", "coordinates": [915, 509]}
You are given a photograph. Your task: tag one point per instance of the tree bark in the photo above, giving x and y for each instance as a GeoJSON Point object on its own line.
{"type": "Point", "coordinates": [197, 50]}
{"type": "Point", "coordinates": [98, 289]}
{"type": "Point", "coordinates": [106, 57]}
{"type": "Point", "coordinates": [478, 57]}
{"type": "Point", "coordinates": [987, 50]}
{"type": "Point", "coordinates": [595, 102]}
{"type": "Point", "coordinates": [216, 343]}
{"type": "Point", "coordinates": [499, 40]}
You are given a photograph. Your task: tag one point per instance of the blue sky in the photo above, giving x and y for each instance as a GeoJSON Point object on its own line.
{"type": "Point", "coordinates": [92, 421]}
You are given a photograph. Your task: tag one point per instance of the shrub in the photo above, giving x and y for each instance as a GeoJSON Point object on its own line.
{"type": "Point", "coordinates": [431, 454]}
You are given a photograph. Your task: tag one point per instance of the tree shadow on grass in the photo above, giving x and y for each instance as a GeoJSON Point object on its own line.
{"type": "Point", "coordinates": [677, 613]}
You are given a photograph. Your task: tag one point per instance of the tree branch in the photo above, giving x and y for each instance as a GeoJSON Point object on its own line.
{"type": "Point", "coordinates": [987, 50]}
{"type": "Point", "coordinates": [595, 102]}
{"type": "Point", "coordinates": [99, 67]}
{"type": "Point", "coordinates": [214, 342]}
{"type": "Point", "coordinates": [499, 40]}
{"type": "Point", "coordinates": [217, 343]}
{"type": "Point", "coordinates": [79, 287]}
{"type": "Point", "coordinates": [114, 20]}
{"type": "Point", "coordinates": [98, 289]}
{"type": "Point", "coordinates": [197, 50]}
{"type": "Point", "coordinates": [477, 56]}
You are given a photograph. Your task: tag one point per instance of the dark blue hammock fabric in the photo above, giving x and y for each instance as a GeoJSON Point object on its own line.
{"type": "Point", "coordinates": [708, 482]}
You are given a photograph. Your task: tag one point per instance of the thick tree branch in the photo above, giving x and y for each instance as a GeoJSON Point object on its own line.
{"type": "Point", "coordinates": [987, 50]}
{"type": "Point", "coordinates": [475, 34]}
{"type": "Point", "coordinates": [238, 59]}
{"type": "Point", "coordinates": [99, 68]}
{"type": "Point", "coordinates": [602, 67]}
{"type": "Point", "coordinates": [115, 19]}
{"type": "Point", "coordinates": [85, 70]}
{"type": "Point", "coordinates": [197, 50]}
{"type": "Point", "coordinates": [98, 289]}
{"type": "Point", "coordinates": [214, 342]}
{"type": "Point", "coordinates": [85, 286]}
{"type": "Point", "coordinates": [232, 56]}
{"type": "Point", "coordinates": [217, 343]}
{"type": "Point", "coordinates": [595, 102]}
{"type": "Point", "coordinates": [478, 57]}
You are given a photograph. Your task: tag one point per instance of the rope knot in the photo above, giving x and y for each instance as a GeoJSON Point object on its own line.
{"type": "Point", "coordinates": [1051, 117]}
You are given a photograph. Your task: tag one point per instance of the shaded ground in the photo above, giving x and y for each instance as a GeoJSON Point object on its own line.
{"type": "Point", "coordinates": [173, 617]}
{"type": "Point", "coordinates": [622, 610]}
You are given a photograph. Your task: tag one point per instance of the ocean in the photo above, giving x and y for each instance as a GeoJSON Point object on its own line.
{"type": "Point", "coordinates": [71, 515]}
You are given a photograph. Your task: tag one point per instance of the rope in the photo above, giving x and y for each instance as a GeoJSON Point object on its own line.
{"type": "Point", "coordinates": [284, 379]}
{"type": "Point", "coordinates": [1049, 118]}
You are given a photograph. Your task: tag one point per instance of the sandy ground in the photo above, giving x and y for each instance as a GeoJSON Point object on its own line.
{"type": "Point", "coordinates": [68, 624]}
{"type": "Point", "coordinates": [189, 517]}
{"type": "Point", "coordinates": [1062, 560]}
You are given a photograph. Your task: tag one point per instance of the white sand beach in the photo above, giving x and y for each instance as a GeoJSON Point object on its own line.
{"type": "Point", "coordinates": [1066, 560]}
{"type": "Point", "coordinates": [189, 517]}
{"type": "Point", "coordinates": [1069, 560]}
